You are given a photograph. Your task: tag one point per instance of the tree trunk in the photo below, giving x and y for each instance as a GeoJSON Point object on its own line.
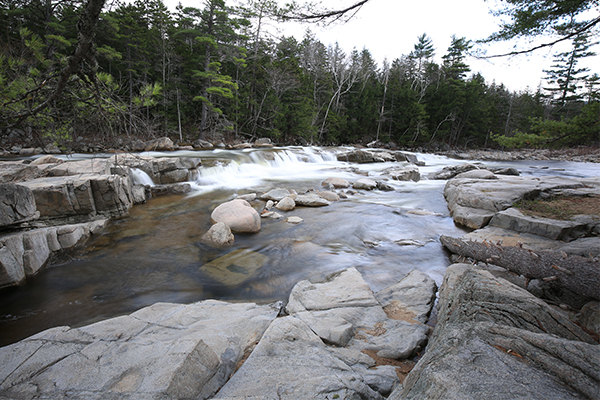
{"type": "Point", "coordinates": [575, 273]}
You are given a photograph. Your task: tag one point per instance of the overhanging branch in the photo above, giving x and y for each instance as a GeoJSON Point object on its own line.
{"type": "Point", "coordinates": [586, 27]}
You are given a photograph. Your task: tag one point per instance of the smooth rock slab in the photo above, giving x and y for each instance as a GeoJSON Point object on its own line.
{"type": "Point", "coordinates": [348, 289]}
{"type": "Point", "coordinates": [411, 299]}
{"type": "Point", "coordinates": [554, 229]}
{"type": "Point", "coordinates": [291, 362]}
{"type": "Point", "coordinates": [165, 351]}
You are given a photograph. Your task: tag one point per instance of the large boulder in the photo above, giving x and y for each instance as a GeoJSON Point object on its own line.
{"type": "Point", "coordinates": [165, 351]}
{"type": "Point", "coordinates": [239, 215]}
{"type": "Point", "coordinates": [494, 340]}
{"type": "Point", "coordinates": [17, 204]}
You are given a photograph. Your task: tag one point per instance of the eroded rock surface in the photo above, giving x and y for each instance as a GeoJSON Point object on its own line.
{"type": "Point", "coordinates": [165, 351]}
{"type": "Point", "coordinates": [494, 340]}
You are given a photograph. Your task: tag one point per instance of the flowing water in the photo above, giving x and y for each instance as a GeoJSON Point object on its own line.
{"type": "Point", "coordinates": [156, 254]}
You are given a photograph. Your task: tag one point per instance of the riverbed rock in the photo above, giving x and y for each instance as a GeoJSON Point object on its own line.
{"type": "Point", "coordinates": [317, 351]}
{"type": "Point", "coordinates": [17, 171]}
{"type": "Point", "coordinates": [589, 317]}
{"type": "Point", "coordinates": [162, 170]}
{"type": "Point", "coordinates": [202, 145]}
{"type": "Point", "coordinates": [275, 194]}
{"type": "Point", "coordinates": [409, 173]}
{"type": "Point", "coordinates": [168, 189]}
{"type": "Point", "coordinates": [238, 215]}
{"type": "Point", "coordinates": [365, 184]}
{"type": "Point", "coordinates": [80, 167]}
{"type": "Point", "coordinates": [24, 253]}
{"type": "Point", "coordinates": [329, 195]}
{"type": "Point", "coordinates": [554, 229]}
{"type": "Point", "coordinates": [163, 351]}
{"type": "Point", "coordinates": [17, 204]}
{"type": "Point", "coordinates": [453, 170]}
{"type": "Point", "coordinates": [311, 200]}
{"type": "Point", "coordinates": [294, 220]}
{"type": "Point", "coordinates": [160, 144]}
{"type": "Point", "coordinates": [494, 340]}
{"type": "Point", "coordinates": [361, 156]}
{"type": "Point", "coordinates": [263, 142]}
{"type": "Point", "coordinates": [464, 196]}
{"type": "Point", "coordinates": [235, 267]}
{"type": "Point", "coordinates": [47, 159]}
{"type": "Point", "coordinates": [470, 217]}
{"type": "Point", "coordinates": [286, 204]}
{"type": "Point", "coordinates": [219, 235]}
{"type": "Point", "coordinates": [81, 198]}
{"type": "Point", "coordinates": [477, 174]}
{"type": "Point", "coordinates": [411, 299]}
{"type": "Point", "coordinates": [291, 362]}
{"type": "Point", "coordinates": [338, 183]}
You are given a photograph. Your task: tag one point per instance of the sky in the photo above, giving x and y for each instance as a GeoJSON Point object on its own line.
{"type": "Point", "coordinates": [390, 28]}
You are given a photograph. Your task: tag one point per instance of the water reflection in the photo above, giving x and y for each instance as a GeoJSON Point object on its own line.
{"type": "Point", "coordinates": [157, 255]}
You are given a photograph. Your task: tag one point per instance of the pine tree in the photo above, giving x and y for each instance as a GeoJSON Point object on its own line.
{"type": "Point", "coordinates": [564, 78]}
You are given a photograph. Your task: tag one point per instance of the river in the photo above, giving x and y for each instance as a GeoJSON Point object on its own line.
{"type": "Point", "coordinates": [156, 254]}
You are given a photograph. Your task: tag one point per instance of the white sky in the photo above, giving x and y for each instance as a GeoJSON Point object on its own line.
{"type": "Point", "coordinates": [389, 28]}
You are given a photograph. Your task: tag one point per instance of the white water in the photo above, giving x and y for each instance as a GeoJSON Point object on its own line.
{"type": "Point", "coordinates": [140, 177]}
{"type": "Point", "coordinates": [253, 168]}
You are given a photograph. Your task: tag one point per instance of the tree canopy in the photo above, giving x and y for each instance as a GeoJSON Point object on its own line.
{"type": "Point", "coordinates": [138, 70]}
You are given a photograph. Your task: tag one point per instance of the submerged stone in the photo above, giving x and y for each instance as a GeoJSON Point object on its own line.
{"type": "Point", "coordinates": [235, 267]}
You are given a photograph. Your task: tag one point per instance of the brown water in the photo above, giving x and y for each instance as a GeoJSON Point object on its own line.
{"type": "Point", "coordinates": [156, 254]}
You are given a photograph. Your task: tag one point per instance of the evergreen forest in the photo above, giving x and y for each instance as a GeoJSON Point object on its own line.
{"type": "Point", "coordinates": [215, 73]}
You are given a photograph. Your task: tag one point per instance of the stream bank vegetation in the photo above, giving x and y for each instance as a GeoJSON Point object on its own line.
{"type": "Point", "coordinates": [215, 73]}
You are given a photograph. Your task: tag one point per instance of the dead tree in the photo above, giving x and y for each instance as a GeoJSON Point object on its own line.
{"type": "Point", "coordinates": [578, 274]}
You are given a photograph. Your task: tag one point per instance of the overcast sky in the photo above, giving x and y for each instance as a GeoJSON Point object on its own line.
{"type": "Point", "coordinates": [389, 28]}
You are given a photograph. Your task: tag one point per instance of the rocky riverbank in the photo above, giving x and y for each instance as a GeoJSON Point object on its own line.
{"type": "Point", "coordinates": [517, 316]}
{"type": "Point", "coordinates": [581, 154]}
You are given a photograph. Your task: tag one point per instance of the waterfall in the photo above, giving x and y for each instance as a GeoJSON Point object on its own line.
{"type": "Point", "coordinates": [140, 177]}
{"type": "Point", "coordinates": [252, 167]}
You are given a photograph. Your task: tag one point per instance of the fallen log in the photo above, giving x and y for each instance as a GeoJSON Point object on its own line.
{"type": "Point", "coordinates": [578, 274]}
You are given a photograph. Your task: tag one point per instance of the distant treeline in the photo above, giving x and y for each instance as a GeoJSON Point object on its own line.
{"type": "Point", "coordinates": [214, 72]}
